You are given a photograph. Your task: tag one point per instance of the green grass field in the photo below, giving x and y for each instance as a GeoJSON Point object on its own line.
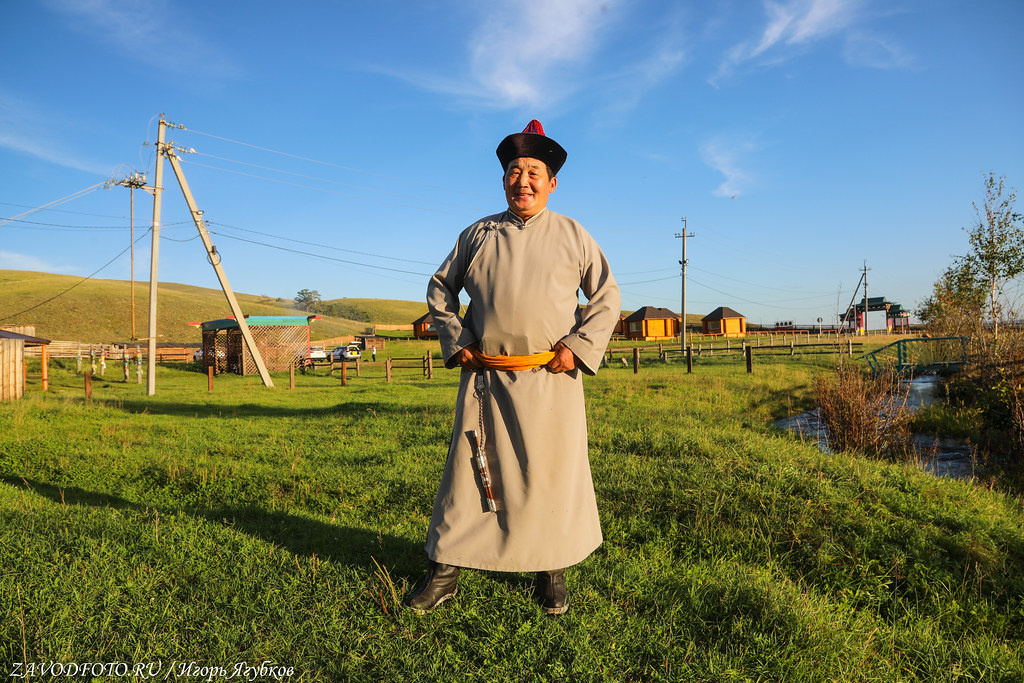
{"type": "Point", "coordinates": [253, 524]}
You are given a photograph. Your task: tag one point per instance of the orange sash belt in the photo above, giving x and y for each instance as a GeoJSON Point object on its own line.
{"type": "Point", "coordinates": [534, 360]}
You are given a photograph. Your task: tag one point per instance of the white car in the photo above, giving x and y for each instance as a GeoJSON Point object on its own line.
{"type": "Point", "coordinates": [317, 353]}
{"type": "Point", "coordinates": [350, 352]}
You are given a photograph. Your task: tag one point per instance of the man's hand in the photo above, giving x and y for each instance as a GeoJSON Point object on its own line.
{"type": "Point", "coordinates": [564, 360]}
{"type": "Point", "coordinates": [466, 359]}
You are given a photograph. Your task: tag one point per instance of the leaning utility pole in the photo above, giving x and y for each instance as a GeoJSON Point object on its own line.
{"type": "Point", "coordinates": [214, 258]}
{"type": "Point", "coordinates": [682, 330]}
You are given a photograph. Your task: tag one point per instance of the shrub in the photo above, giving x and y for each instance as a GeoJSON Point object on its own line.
{"type": "Point", "coordinates": [864, 412]}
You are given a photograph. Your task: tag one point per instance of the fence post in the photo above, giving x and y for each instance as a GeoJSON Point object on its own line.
{"type": "Point", "coordinates": [430, 365]}
{"type": "Point", "coordinates": [636, 360]}
{"type": "Point", "coordinates": [689, 359]}
{"type": "Point", "coordinates": [849, 346]}
{"type": "Point", "coordinates": [209, 378]}
{"type": "Point", "coordinates": [344, 372]}
{"type": "Point", "coordinates": [387, 369]}
{"type": "Point", "coordinates": [291, 376]}
{"type": "Point", "coordinates": [749, 352]}
{"type": "Point", "coordinates": [88, 386]}
{"type": "Point", "coordinates": [45, 356]}
{"type": "Point", "coordinates": [792, 346]}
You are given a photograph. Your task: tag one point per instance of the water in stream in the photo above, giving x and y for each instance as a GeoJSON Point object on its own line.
{"type": "Point", "coordinates": [942, 457]}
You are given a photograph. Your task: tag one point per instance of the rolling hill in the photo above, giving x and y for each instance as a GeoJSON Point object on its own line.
{"type": "Point", "coordinates": [68, 308]}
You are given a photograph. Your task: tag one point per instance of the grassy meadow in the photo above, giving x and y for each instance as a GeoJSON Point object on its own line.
{"type": "Point", "coordinates": [99, 311]}
{"type": "Point", "coordinates": [250, 524]}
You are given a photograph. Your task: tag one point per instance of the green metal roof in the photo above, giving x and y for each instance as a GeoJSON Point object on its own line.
{"type": "Point", "coordinates": [258, 321]}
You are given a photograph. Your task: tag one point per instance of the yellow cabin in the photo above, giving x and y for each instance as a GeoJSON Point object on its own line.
{"type": "Point", "coordinates": [725, 322]}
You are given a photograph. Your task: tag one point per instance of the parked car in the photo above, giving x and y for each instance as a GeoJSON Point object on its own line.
{"type": "Point", "coordinates": [198, 355]}
{"type": "Point", "coordinates": [317, 353]}
{"type": "Point", "coordinates": [349, 352]}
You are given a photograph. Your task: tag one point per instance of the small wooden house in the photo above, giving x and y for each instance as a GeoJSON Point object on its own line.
{"type": "Point", "coordinates": [423, 327]}
{"type": "Point", "coordinates": [12, 363]}
{"type": "Point", "coordinates": [651, 324]}
{"type": "Point", "coordinates": [725, 322]}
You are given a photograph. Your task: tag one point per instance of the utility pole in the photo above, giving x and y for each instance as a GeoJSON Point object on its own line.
{"type": "Point", "coordinates": [865, 297]}
{"type": "Point", "coordinates": [137, 180]}
{"type": "Point", "coordinates": [154, 258]}
{"type": "Point", "coordinates": [682, 331]}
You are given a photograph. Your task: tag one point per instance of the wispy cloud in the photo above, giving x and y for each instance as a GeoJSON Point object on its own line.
{"type": "Point", "coordinates": [26, 129]}
{"type": "Point", "coordinates": [792, 26]}
{"type": "Point", "coordinates": [530, 54]}
{"type": "Point", "coordinates": [141, 31]}
{"type": "Point", "coordinates": [726, 157]}
{"type": "Point", "coordinates": [13, 261]}
{"type": "Point", "coordinates": [875, 52]}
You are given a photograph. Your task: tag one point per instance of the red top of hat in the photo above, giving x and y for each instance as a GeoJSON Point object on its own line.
{"type": "Point", "coordinates": [532, 142]}
{"type": "Point", "coordinates": [534, 127]}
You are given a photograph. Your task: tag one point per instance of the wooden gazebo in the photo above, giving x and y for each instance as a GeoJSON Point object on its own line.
{"type": "Point", "coordinates": [280, 340]}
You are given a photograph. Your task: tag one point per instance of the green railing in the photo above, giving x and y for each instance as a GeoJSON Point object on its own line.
{"type": "Point", "coordinates": [920, 354]}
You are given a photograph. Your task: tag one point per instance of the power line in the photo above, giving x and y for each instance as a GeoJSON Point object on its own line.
{"type": "Point", "coordinates": [333, 165]}
{"type": "Point", "coordinates": [319, 256]}
{"type": "Point", "coordinates": [56, 202]}
{"type": "Point", "coordinates": [323, 246]}
{"type": "Point", "coordinates": [72, 228]}
{"type": "Point", "coordinates": [319, 179]}
{"type": "Point", "coordinates": [82, 281]}
{"type": "Point", "coordinates": [77, 213]}
{"type": "Point", "coordinates": [318, 189]}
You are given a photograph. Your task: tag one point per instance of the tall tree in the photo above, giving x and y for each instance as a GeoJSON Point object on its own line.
{"type": "Point", "coordinates": [308, 300]}
{"type": "Point", "coordinates": [997, 245]}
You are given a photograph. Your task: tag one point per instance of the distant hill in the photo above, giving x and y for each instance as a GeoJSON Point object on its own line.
{"type": "Point", "coordinates": [384, 311]}
{"type": "Point", "coordinates": [63, 307]}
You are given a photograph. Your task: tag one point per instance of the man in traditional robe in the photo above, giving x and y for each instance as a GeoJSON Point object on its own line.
{"type": "Point", "coordinates": [523, 346]}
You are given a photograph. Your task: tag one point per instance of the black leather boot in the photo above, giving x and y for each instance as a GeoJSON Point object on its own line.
{"type": "Point", "coordinates": [434, 588]}
{"type": "Point", "coordinates": [551, 592]}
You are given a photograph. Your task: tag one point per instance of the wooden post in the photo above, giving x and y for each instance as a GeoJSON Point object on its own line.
{"type": "Point", "coordinates": [45, 355]}
{"type": "Point", "coordinates": [636, 360]}
{"type": "Point", "coordinates": [332, 366]}
{"type": "Point", "coordinates": [430, 365]}
{"type": "Point", "coordinates": [849, 345]}
{"type": "Point", "coordinates": [291, 376]}
{"type": "Point", "coordinates": [689, 359]}
{"type": "Point", "coordinates": [749, 351]}
{"type": "Point", "coordinates": [88, 386]}
{"type": "Point", "coordinates": [792, 346]}
{"type": "Point", "coordinates": [387, 369]}
{"type": "Point", "coordinates": [344, 372]}
{"type": "Point", "coordinates": [357, 367]}
{"type": "Point", "coordinates": [209, 377]}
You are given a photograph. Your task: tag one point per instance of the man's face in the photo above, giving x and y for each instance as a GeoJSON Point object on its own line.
{"type": "Point", "coordinates": [527, 186]}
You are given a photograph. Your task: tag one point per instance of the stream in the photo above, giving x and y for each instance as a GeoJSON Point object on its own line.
{"type": "Point", "coordinates": [942, 457]}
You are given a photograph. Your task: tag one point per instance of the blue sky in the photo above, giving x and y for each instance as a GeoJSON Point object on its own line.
{"type": "Point", "coordinates": [341, 146]}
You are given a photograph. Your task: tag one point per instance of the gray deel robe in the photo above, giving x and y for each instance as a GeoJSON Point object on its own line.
{"type": "Point", "coordinates": [523, 281]}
